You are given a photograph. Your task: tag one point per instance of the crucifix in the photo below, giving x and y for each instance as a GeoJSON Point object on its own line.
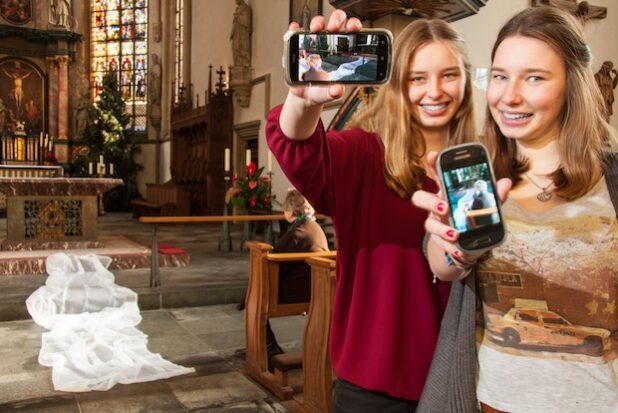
{"type": "Point", "coordinates": [582, 10]}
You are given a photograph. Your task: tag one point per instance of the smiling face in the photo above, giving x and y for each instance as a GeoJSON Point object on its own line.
{"type": "Point", "coordinates": [436, 85]}
{"type": "Point", "coordinates": [527, 90]}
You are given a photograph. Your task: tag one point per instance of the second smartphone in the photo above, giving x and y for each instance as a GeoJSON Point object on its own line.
{"type": "Point", "coordinates": [362, 57]}
{"type": "Point", "coordinates": [468, 181]}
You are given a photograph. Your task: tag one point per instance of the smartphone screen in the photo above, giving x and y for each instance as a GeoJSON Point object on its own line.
{"type": "Point", "coordinates": [471, 194]}
{"type": "Point", "coordinates": [359, 58]}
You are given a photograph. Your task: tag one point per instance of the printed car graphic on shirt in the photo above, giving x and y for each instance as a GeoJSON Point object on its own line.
{"type": "Point", "coordinates": [537, 328]}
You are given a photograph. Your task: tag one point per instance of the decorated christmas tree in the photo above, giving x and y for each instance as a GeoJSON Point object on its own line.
{"type": "Point", "coordinates": [107, 133]}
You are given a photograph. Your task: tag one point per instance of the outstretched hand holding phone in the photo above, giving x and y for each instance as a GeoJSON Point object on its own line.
{"type": "Point", "coordinates": [303, 105]}
{"type": "Point", "coordinates": [446, 257]}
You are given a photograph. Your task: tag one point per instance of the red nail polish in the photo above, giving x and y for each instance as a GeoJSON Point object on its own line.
{"type": "Point", "coordinates": [440, 207]}
{"type": "Point", "coordinates": [450, 233]}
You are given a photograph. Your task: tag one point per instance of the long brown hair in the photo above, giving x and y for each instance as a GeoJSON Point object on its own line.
{"type": "Point", "coordinates": [390, 115]}
{"type": "Point", "coordinates": [585, 134]}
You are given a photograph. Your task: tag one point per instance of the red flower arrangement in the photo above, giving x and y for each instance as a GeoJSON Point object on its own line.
{"type": "Point", "coordinates": [251, 192]}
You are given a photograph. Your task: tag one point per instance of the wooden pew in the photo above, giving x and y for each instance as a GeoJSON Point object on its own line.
{"type": "Point", "coordinates": [318, 374]}
{"type": "Point", "coordinates": [262, 303]}
{"type": "Point", "coordinates": [162, 200]}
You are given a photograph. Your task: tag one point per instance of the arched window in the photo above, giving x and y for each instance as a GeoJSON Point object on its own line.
{"type": "Point", "coordinates": [119, 42]}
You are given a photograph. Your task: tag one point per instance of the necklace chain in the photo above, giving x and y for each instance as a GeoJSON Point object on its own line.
{"type": "Point", "coordinates": [544, 195]}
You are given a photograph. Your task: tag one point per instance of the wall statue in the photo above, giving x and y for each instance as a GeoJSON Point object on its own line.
{"type": "Point", "coordinates": [240, 76]}
{"type": "Point", "coordinates": [607, 79]}
{"type": "Point", "coordinates": [154, 80]}
{"type": "Point", "coordinates": [154, 90]}
{"type": "Point", "coordinates": [60, 13]}
{"type": "Point", "coordinates": [241, 35]}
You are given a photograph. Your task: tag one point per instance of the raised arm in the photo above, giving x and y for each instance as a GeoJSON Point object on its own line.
{"type": "Point", "coordinates": [303, 105]}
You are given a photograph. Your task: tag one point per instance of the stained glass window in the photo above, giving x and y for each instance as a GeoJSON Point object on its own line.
{"type": "Point", "coordinates": [119, 41]}
{"type": "Point", "coordinates": [178, 45]}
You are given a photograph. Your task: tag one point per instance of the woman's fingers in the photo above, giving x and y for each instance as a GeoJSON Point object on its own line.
{"type": "Point", "coordinates": [318, 24]}
{"type": "Point", "coordinates": [337, 21]}
{"type": "Point", "coordinates": [504, 186]}
{"type": "Point", "coordinates": [353, 25]}
{"type": "Point", "coordinates": [430, 202]}
{"type": "Point", "coordinates": [440, 229]}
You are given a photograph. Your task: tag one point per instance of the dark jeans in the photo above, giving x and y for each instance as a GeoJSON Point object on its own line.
{"type": "Point", "coordinates": [349, 398]}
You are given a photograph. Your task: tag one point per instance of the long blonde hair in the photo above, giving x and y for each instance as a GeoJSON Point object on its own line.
{"type": "Point", "coordinates": [390, 115]}
{"type": "Point", "coordinates": [585, 134]}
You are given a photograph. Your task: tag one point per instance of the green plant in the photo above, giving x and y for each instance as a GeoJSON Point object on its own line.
{"type": "Point", "coordinates": [107, 133]}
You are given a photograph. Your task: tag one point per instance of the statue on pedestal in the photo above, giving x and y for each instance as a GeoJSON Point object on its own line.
{"type": "Point", "coordinates": [241, 35]}
{"type": "Point", "coordinates": [240, 76]}
{"type": "Point", "coordinates": [60, 13]}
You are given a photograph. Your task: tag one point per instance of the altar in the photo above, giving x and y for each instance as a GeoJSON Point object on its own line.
{"type": "Point", "coordinates": [51, 210]}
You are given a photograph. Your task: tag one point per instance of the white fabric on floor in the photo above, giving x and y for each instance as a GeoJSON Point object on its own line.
{"type": "Point", "coordinates": [92, 343]}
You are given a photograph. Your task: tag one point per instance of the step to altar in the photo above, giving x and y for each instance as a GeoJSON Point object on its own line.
{"type": "Point", "coordinates": [29, 258]}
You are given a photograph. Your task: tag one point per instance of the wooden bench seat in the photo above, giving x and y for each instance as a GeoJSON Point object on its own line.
{"type": "Point", "coordinates": [262, 303]}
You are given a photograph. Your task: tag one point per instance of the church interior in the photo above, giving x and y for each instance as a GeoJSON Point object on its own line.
{"type": "Point", "coordinates": [123, 126]}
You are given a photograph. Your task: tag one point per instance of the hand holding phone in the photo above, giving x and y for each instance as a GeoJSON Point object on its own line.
{"type": "Point", "coordinates": [468, 183]}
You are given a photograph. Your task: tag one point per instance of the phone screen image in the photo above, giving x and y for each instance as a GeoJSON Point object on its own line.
{"type": "Point", "coordinates": [471, 197]}
{"type": "Point", "coordinates": [344, 58]}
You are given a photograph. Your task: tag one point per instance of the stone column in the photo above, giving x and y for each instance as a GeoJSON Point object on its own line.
{"type": "Point", "coordinates": [61, 151]}
{"type": "Point", "coordinates": [52, 101]}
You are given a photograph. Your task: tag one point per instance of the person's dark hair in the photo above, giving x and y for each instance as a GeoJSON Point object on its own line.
{"type": "Point", "coordinates": [585, 134]}
{"type": "Point", "coordinates": [295, 203]}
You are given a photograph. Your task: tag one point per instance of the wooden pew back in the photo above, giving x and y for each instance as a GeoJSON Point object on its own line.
{"type": "Point", "coordinates": [262, 303]}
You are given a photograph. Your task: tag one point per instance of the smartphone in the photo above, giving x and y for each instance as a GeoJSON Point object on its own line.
{"type": "Point", "coordinates": [468, 181]}
{"type": "Point", "coordinates": [362, 57]}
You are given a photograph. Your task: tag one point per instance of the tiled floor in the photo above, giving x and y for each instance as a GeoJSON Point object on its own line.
{"type": "Point", "coordinates": [208, 338]}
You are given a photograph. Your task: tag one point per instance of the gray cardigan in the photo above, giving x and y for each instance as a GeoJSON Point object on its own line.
{"type": "Point", "coordinates": [451, 383]}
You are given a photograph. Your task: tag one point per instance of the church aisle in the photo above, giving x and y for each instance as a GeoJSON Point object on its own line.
{"type": "Point", "coordinates": [211, 339]}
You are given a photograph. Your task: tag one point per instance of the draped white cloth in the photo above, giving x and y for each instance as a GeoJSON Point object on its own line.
{"type": "Point", "coordinates": [93, 342]}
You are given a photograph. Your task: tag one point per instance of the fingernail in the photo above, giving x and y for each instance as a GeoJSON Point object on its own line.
{"type": "Point", "coordinates": [440, 207]}
{"type": "Point", "coordinates": [458, 254]}
{"type": "Point", "coordinates": [450, 233]}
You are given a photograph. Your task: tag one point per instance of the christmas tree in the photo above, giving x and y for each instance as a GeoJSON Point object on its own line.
{"type": "Point", "coordinates": [107, 133]}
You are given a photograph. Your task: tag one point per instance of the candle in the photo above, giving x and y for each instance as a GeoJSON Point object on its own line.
{"type": "Point", "coordinates": [46, 140]}
{"type": "Point", "coordinates": [3, 149]}
{"type": "Point", "coordinates": [101, 160]}
{"type": "Point", "coordinates": [248, 157]}
{"type": "Point", "coordinates": [111, 168]}
{"type": "Point", "coordinates": [226, 167]}
{"type": "Point", "coordinates": [90, 168]}
{"type": "Point", "coordinates": [41, 140]}
{"type": "Point", "coordinates": [270, 161]}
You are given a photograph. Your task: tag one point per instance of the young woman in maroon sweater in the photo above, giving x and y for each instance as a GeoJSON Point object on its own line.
{"type": "Point", "coordinates": [387, 309]}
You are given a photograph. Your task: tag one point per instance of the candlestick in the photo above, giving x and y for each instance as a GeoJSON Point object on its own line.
{"type": "Point", "coordinates": [270, 161]}
{"type": "Point", "coordinates": [226, 166]}
{"type": "Point", "coordinates": [111, 168]}
{"type": "Point", "coordinates": [90, 168]}
{"type": "Point", "coordinates": [248, 157]}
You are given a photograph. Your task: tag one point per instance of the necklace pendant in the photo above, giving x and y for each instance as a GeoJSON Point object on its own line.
{"type": "Point", "coordinates": [544, 196]}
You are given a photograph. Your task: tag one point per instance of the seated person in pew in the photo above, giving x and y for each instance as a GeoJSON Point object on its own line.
{"type": "Point", "coordinates": [303, 235]}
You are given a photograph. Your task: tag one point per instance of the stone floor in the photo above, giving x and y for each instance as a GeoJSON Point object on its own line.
{"type": "Point", "coordinates": [191, 320]}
